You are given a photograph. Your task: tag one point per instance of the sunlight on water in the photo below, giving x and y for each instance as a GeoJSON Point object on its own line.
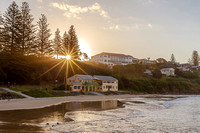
{"type": "Point", "coordinates": [141, 114]}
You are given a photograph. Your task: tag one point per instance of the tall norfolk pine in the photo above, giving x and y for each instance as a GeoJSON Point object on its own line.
{"type": "Point", "coordinates": [12, 19]}
{"type": "Point", "coordinates": [27, 30]}
{"type": "Point", "coordinates": [195, 58]}
{"type": "Point", "coordinates": [44, 46]}
{"type": "Point", "coordinates": [57, 43]}
{"type": "Point", "coordinates": [73, 46]}
{"type": "Point", "coordinates": [70, 44]}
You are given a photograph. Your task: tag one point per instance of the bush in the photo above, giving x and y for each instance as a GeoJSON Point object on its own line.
{"type": "Point", "coordinates": [38, 93]}
{"type": "Point", "coordinates": [157, 73]}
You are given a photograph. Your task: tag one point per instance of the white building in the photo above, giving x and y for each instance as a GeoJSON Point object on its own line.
{"type": "Point", "coordinates": [184, 67]}
{"type": "Point", "coordinates": [148, 72]}
{"type": "Point", "coordinates": [87, 83]}
{"type": "Point", "coordinates": [106, 83]}
{"type": "Point", "coordinates": [168, 71]}
{"type": "Point", "coordinates": [112, 59]}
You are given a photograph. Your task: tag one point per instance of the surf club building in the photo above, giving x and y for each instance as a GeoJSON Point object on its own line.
{"type": "Point", "coordinates": [86, 83]}
{"type": "Point", "coordinates": [112, 59]}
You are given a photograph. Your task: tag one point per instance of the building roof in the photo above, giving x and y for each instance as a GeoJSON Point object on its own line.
{"type": "Point", "coordinates": [113, 54]}
{"type": "Point", "coordinates": [167, 68]}
{"type": "Point", "coordinates": [108, 78]}
{"type": "Point", "coordinates": [86, 77]}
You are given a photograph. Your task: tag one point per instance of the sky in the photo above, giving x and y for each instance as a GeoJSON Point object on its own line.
{"type": "Point", "coordinates": [141, 28]}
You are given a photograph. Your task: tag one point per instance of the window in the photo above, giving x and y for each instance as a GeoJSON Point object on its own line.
{"type": "Point", "coordinates": [79, 87]}
{"type": "Point", "coordinates": [82, 87]}
{"type": "Point", "coordinates": [75, 87]}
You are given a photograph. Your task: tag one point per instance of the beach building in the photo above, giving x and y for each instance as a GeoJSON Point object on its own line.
{"type": "Point", "coordinates": [87, 83]}
{"type": "Point", "coordinates": [106, 83]}
{"type": "Point", "coordinates": [82, 83]}
{"type": "Point", "coordinates": [112, 59]}
{"type": "Point", "coordinates": [168, 71]}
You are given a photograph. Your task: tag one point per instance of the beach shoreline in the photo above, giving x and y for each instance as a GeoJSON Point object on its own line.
{"type": "Point", "coordinates": [27, 103]}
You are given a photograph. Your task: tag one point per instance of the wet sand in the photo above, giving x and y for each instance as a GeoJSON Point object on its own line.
{"type": "Point", "coordinates": [35, 120]}
{"type": "Point", "coordinates": [16, 104]}
{"type": "Point", "coordinates": [130, 113]}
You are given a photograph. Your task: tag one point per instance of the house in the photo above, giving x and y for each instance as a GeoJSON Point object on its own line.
{"type": "Point", "coordinates": [196, 68]}
{"type": "Point", "coordinates": [168, 71]}
{"type": "Point", "coordinates": [106, 83]}
{"type": "Point", "coordinates": [184, 67]}
{"type": "Point", "coordinates": [147, 62]}
{"type": "Point", "coordinates": [112, 59]}
{"type": "Point", "coordinates": [92, 83]}
{"type": "Point", "coordinates": [148, 72]}
{"type": "Point", "coordinates": [82, 83]}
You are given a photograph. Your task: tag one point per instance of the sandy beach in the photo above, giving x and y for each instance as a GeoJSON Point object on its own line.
{"type": "Point", "coordinates": [27, 103]}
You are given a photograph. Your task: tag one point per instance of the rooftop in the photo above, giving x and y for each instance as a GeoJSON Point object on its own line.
{"type": "Point", "coordinates": [113, 54]}
{"type": "Point", "coordinates": [97, 77]}
{"type": "Point", "coordinates": [84, 76]}
{"type": "Point", "coordinates": [107, 78]}
{"type": "Point", "coordinates": [167, 68]}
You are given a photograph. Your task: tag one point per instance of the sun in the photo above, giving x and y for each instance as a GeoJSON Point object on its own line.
{"type": "Point", "coordinates": [84, 46]}
{"type": "Point", "coordinates": [68, 57]}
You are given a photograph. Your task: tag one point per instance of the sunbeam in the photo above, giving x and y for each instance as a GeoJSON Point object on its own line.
{"type": "Point", "coordinates": [66, 76]}
{"type": "Point", "coordinates": [60, 69]}
{"type": "Point", "coordinates": [50, 69]}
{"type": "Point", "coordinates": [72, 67]}
{"type": "Point", "coordinates": [79, 67]}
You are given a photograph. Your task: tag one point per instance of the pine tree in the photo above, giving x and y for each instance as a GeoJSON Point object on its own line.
{"type": "Point", "coordinates": [65, 44]}
{"type": "Point", "coordinates": [1, 33]}
{"type": "Point", "coordinates": [12, 26]}
{"type": "Point", "coordinates": [57, 43]}
{"type": "Point", "coordinates": [173, 60]}
{"type": "Point", "coordinates": [85, 56]}
{"type": "Point", "coordinates": [43, 42]}
{"type": "Point", "coordinates": [4, 37]}
{"type": "Point", "coordinates": [73, 46]}
{"type": "Point", "coordinates": [195, 58]}
{"type": "Point", "coordinates": [27, 30]}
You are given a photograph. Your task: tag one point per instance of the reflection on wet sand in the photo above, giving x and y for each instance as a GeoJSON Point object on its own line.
{"type": "Point", "coordinates": [92, 106]}
{"type": "Point", "coordinates": [27, 120]}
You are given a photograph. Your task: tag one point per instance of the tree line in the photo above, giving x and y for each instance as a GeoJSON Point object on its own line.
{"type": "Point", "coordinates": [194, 60]}
{"type": "Point", "coordinates": [20, 36]}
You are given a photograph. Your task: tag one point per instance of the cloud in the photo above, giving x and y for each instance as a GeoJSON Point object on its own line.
{"type": "Point", "coordinates": [150, 26]}
{"type": "Point", "coordinates": [74, 11]}
{"type": "Point", "coordinates": [114, 27]}
{"type": "Point", "coordinates": [39, 0]}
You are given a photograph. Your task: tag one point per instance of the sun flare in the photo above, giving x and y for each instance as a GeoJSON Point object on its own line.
{"type": "Point", "coordinates": [68, 57]}
{"type": "Point", "coordinates": [84, 47]}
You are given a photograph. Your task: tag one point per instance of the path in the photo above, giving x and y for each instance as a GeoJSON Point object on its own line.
{"type": "Point", "coordinates": [19, 93]}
